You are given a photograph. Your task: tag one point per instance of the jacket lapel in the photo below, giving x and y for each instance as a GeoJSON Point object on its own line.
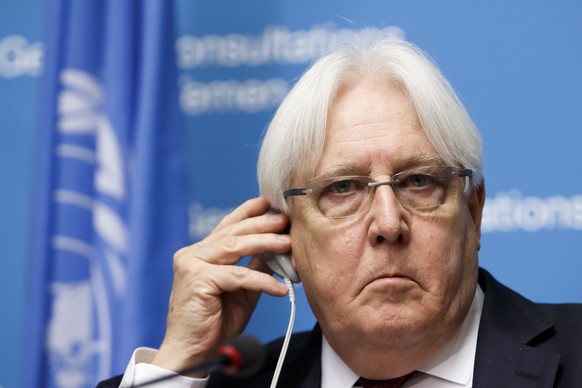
{"type": "Point", "coordinates": [511, 326]}
{"type": "Point", "coordinates": [302, 367]}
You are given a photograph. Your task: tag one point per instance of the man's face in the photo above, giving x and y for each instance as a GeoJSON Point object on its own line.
{"type": "Point", "coordinates": [391, 276]}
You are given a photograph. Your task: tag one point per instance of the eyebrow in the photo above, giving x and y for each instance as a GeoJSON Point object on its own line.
{"type": "Point", "coordinates": [422, 160]}
{"type": "Point", "coordinates": [412, 162]}
{"type": "Point", "coordinates": [337, 170]}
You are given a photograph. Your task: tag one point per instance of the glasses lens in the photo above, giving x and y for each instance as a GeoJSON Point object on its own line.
{"type": "Point", "coordinates": [423, 188]}
{"type": "Point", "coordinates": [340, 196]}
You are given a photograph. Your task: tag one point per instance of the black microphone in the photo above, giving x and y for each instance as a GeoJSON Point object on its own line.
{"type": "Point", "coordinates": [238, 357]}
{"type": "Point", "coordinates": [241, 356]}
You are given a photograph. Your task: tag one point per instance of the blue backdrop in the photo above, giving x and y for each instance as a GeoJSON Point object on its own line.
{"type": "Point", "coordinates": [516, 66]}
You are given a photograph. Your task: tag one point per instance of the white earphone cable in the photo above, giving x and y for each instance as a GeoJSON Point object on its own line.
{"type": "Point", "coordinates": [291, 288]}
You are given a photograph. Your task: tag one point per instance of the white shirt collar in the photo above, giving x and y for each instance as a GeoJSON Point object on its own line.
{"type": "Point", "coordinates": [334, 372]}
{"type": "Point", "coordinates": [453, 364]}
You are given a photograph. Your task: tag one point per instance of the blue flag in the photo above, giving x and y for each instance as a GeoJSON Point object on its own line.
{"type": "Point", "coordinates": [111, 202]}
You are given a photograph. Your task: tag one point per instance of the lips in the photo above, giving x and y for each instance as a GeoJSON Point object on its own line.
{"type": "Point", "coordinates": [391, 279]}
{"type": "Point", "coordinates": [392, 276]}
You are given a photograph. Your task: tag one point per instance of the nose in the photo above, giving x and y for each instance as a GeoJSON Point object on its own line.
{"type": "Point", "coordinates": [388, 223]}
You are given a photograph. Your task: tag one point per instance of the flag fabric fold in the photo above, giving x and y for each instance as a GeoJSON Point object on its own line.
{"type": "Point", "coordinates": [110, 204]}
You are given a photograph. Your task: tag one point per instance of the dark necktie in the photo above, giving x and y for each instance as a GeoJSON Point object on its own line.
{"type": "Point", "coordinates": [392, 383]}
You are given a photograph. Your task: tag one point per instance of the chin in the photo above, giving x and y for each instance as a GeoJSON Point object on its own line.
{"type": "Point", "coordinates": [390, 323]}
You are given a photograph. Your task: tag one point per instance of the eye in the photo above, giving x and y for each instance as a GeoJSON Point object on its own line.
{"type": "Point", "coordinates": [418, 180]}
{"type": "Point", "coordinates": [341, 187]}
{"type": "Point", "coordinates": [341, 196]}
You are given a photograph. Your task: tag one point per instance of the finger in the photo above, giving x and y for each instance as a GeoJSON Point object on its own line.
{"type": "Point", "coordinates": [262, 223]}
{"type": "Point", "coordinates": [250, 208]}
{"type": "Point", "coordinates": [230, 249]}
{"type": "Point", "coordinates": [245, 238]}
{"type": "Point", "coordinates": [234, 278]}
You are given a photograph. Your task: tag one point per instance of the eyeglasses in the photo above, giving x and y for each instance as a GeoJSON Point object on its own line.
{"type": "Point", "coordinates": [421, 188]}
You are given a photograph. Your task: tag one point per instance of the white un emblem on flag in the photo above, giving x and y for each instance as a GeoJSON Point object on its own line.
{"type": "Point", "coordinates": [92, 237]}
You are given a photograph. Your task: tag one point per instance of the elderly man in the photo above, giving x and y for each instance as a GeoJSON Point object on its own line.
{"type": "Point", "coordinates": [377, 169]}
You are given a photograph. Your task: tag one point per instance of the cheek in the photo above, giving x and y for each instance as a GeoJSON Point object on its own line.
{"type": "Point", "coordinates": [326, 262]}
{"type": "Point", "coordinates": [450, 261]}
{"type": "Point", "coordinates": [320, 253]}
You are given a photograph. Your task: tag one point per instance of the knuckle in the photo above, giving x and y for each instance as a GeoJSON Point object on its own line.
{"type": "Point", "coordinates": [231, 244]}
{"type": "Point", "coordinates": [241, 273]}
{"type": "Point", "coordinates": [184, 260]}
{"type": "Point", "coordinates": [178, 260]}
{"type": "Point", "coordinates": [179, 253]}
{"type": "Point", "coordinates": [201, 244]}
{"type": "Point", "coordinates": [227, 230]}
{"type": "Point", "coordinates": [179, 264]}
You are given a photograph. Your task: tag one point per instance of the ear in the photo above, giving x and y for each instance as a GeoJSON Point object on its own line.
{"type": "Point", "coordinates": [476, 202]}
{"type": "Point", "coordinates": [290, 253]}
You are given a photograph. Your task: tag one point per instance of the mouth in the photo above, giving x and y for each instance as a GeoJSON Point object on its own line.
{"type": "Point", "coordinates": [393, 279]}
{"type": "Point", "coordinates": [388, 288]}
{"type": "Point", "coordinates": [391, 275]}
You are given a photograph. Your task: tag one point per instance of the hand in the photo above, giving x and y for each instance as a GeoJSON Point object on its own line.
{"type": "Point", "coordinates": [212, 299]}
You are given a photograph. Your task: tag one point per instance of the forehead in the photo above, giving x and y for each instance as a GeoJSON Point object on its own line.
{"type": "Point", "coordinates": [372, 125]}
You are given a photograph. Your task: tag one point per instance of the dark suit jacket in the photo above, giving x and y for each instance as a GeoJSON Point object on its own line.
{"type": "Point", "coordinates": [520, 344]}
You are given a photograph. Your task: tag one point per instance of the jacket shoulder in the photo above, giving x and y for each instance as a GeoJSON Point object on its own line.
{"type": "Point", "coordinates": [523, 341]}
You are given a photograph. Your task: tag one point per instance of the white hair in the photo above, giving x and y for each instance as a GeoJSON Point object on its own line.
{"type": "Point", "coordinates": [294, 140]}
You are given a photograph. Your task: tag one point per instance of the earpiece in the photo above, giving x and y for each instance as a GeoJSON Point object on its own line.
{"type": "Point", "coordinates": [280, 263]}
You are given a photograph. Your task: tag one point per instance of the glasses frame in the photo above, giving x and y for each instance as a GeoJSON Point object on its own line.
{"type": "Point", "coordinates": [304, 191]}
